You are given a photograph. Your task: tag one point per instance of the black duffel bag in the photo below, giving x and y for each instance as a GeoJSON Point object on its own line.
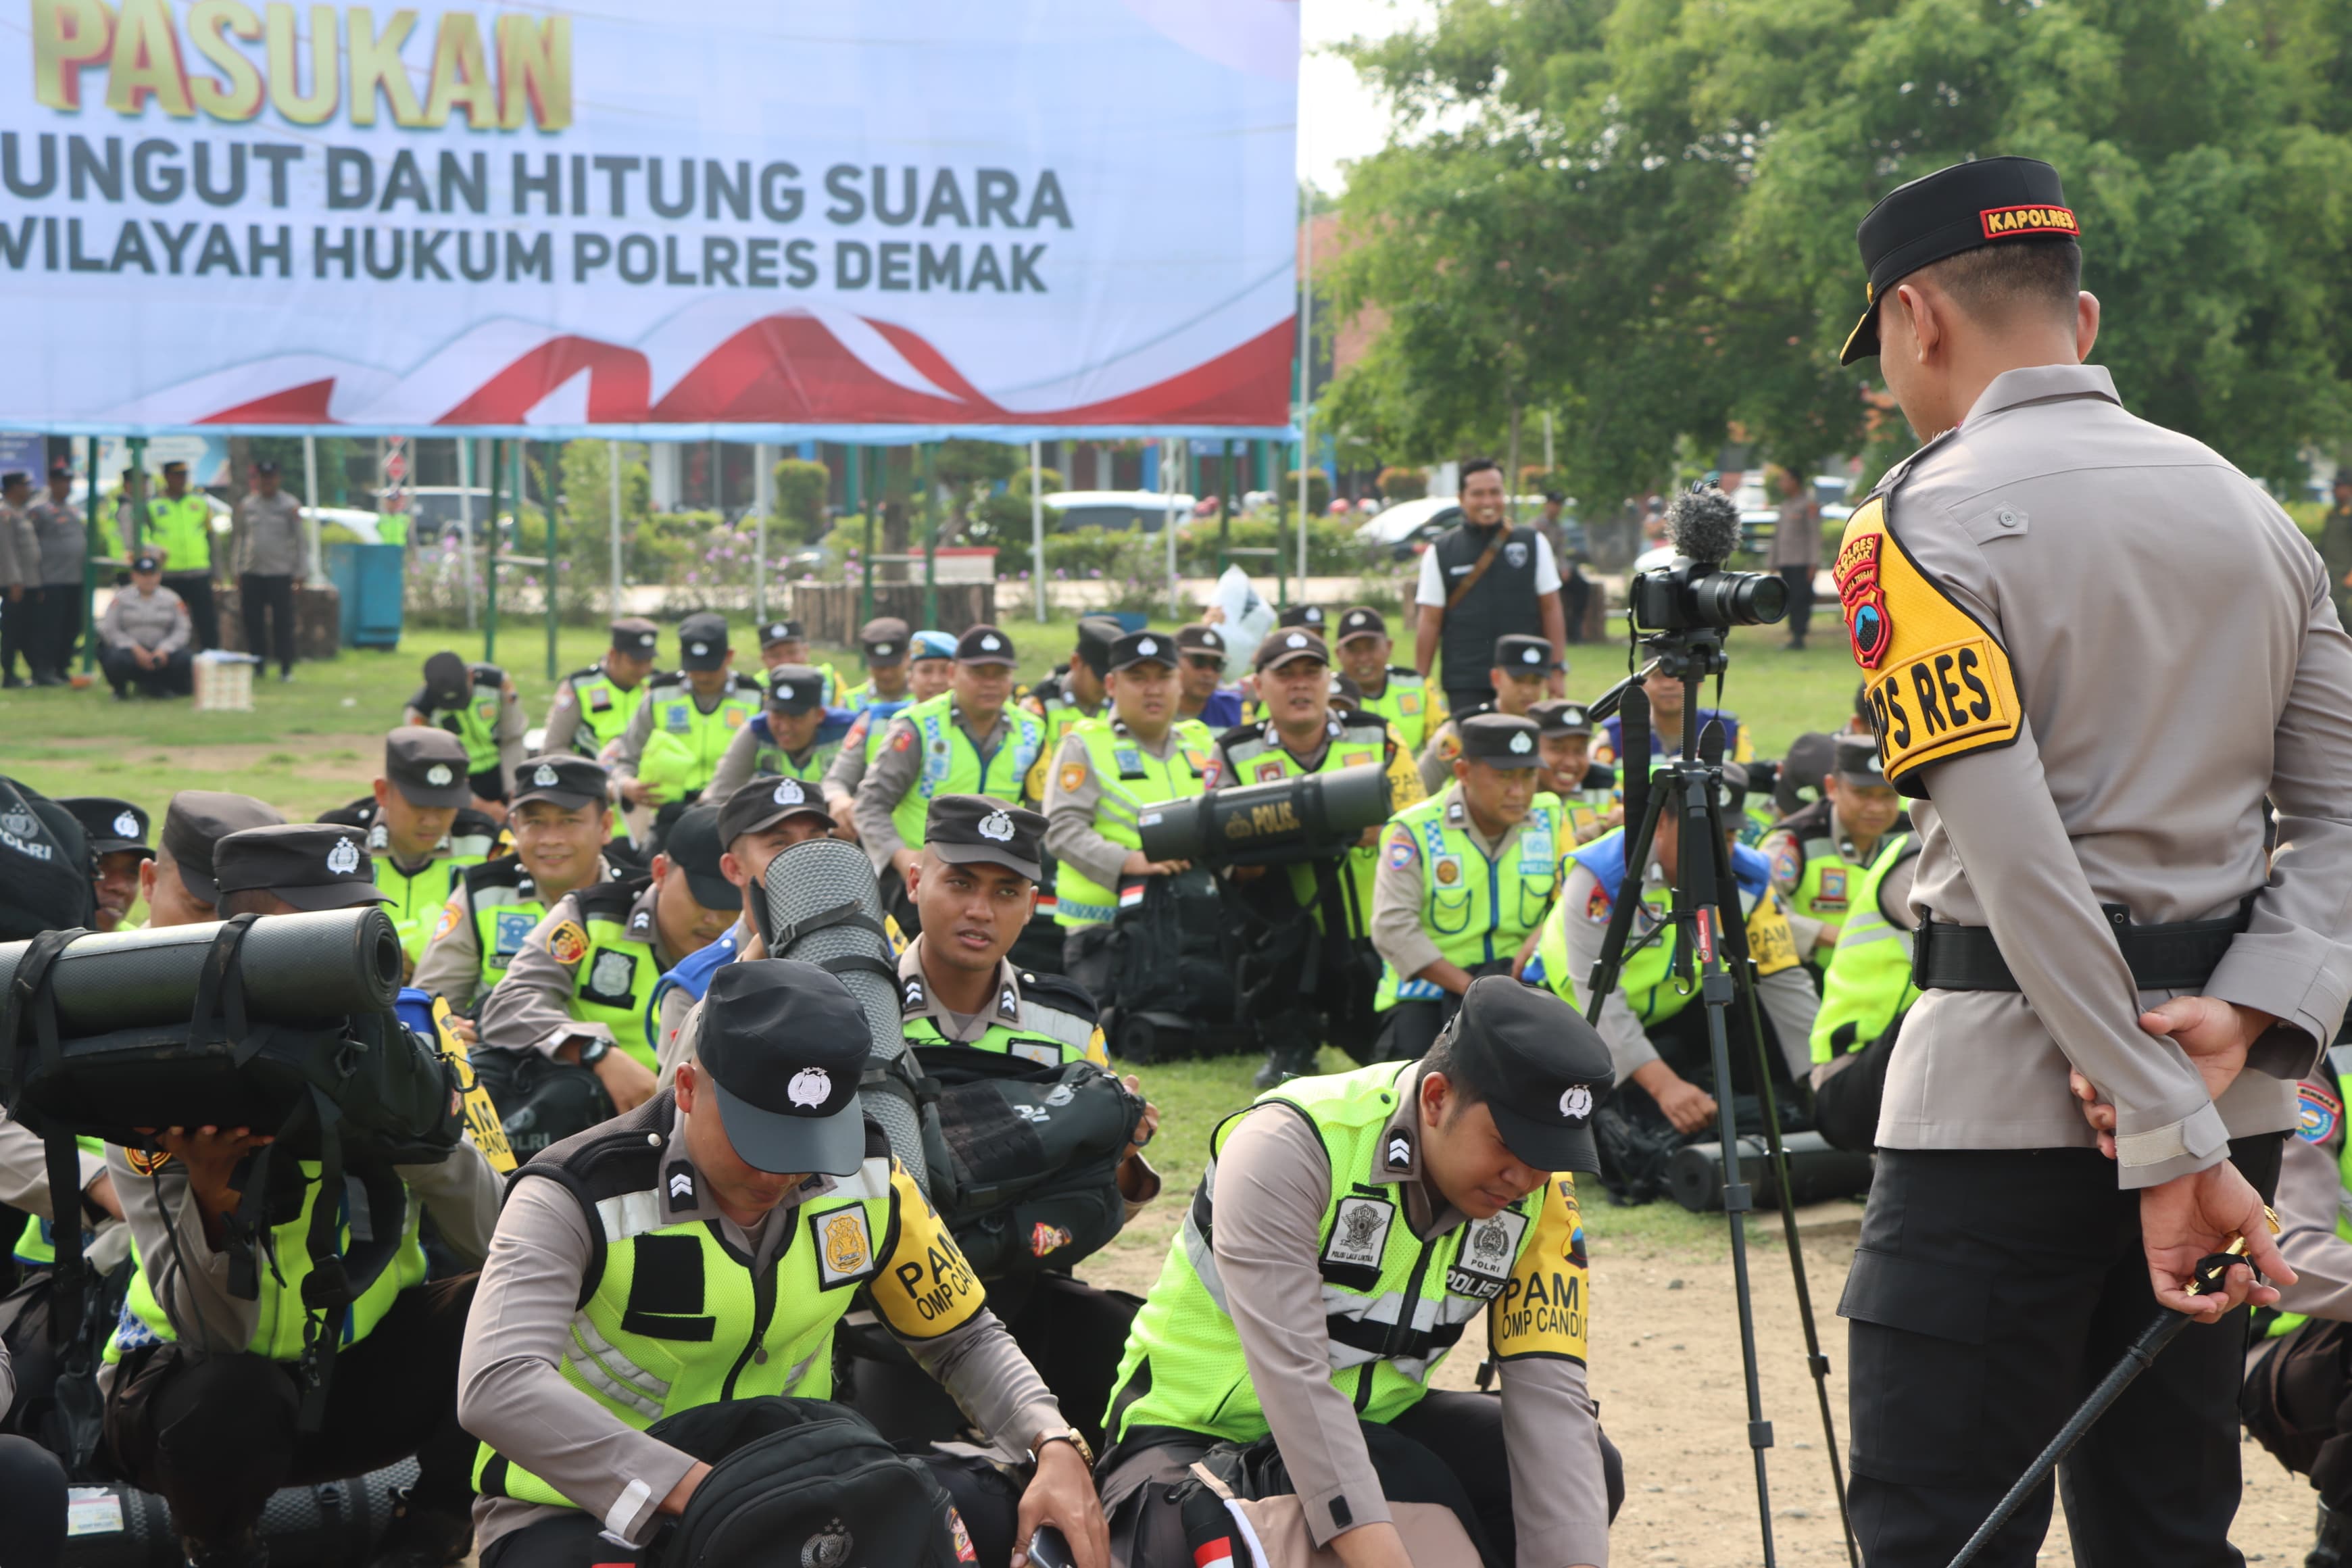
{"type": "Point", "coordinates": [1025, 1159]}
{"type": "Point", "coordinates": [540, 1100]}
{"type": "Point", "coordinates": [800, 1481]}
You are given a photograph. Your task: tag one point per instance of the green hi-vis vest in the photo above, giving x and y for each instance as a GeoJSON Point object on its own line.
{"type": "Point", "coordinates": [35, 1248]}
{"type": "Point", "coordinates": [477, 723]}
{"type": "Point", "coordinates": [184, 528]}
{"type": "Point", "coordinates": [1131, 779]}
{"type": "Point", "coordinates": [1393, 1302]}
{"type": "Point", "coordinates": [1828, 884]}
{"type": "Point", "coordinates": [859, 698]}
{"type": "Point", "coordinates": [770, 758]}
{"type": "Point", "coordinates": [392, 528]}
{"type": "Point", "coordinates": [673, 1318]}
{"type": "Point", "coordinates": [683, 750]}
{"type": "Point", "coordinates": [1475, 909]}
{"type": "Point", "coordinates": [1646, 980]}
{"type": "Point", "coordinates": [1868, 980]}
{"type": "Point", "coordinates": [1258, 757]}
{"type": "Point", "coordinates": [614, 963]}
{"type": "Point", "coordinates": [1022, 1026]}
{"type": "Point", "coordinates": [505, 905]}
{"type": "Point", "coordinates": [420, 899]}
{"type": "Point", "coordinates": [277, 1331]}
{"type": "Point", "coordinates": [951, 764]}
{"type": "Point", "coordinates": [1410, 703]}
{"type": "Point", "coordinates": [605, 710]}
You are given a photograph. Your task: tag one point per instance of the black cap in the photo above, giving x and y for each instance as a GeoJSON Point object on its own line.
{"type": "Point", "coordinates": [694, 847]}
{"type": "Point", "coordinates": [146, 561]}
{"type": "Point", "coordinates": [560, 779]}
{"type": "Point", "coordinates": [428, 766]}
{"type": "Point", "coordinates": [983, 644]}
{"type": "Point", "coordinates": [702, 642]}
{"type": "Point", "coordinates": [1524, 654]}
{"type": "Point", "coordinates": [175, 463]}
{"type": "Point", "coordinates": [885, 639]}
{"type": "Point", "coordinates": [109, 823]}
{"type": "Point", "coordinates": [310, 865]}
{"type": "Point", "coordinates": [1143, 647]}
{"type": "Point", "coordinates": [194, 824]}
{"type": "Point", "coordinates": [13, 478]}
{"type": "Point", "coordinates": [1308, 616]}
{"type": "Point", "coordinates": [784, 630]}
{"type": "Point", "coordinates": [764, 800]}
{"type": "Point", "coordinates": [265, 466]}
{"type": "Point", "coordinates": [1281, 646]}
{"type": "Point", "coordinates": [794, 688]}
{"type": "Point", "coordinates": [1201, 638]}
{"type": "Point", "coordinates": [61, 469]}
{"type": "Point", "coordinates": [1968, 206]}
{"type": "Point", "coordinates": [1097, 634]}
{"type": "Point", "coordinates": [1362, 622]}
{"type": "Point", "coordinates": [782, 1046]}
{"type": "Point", "coordinates": [965, 828]}
{"type": "Point", "coordinates": [637, 635]}
{"type": "Point", "coordinates": [447, 681]}
{"type": "Point", "coordinates": [1539, 1065]}
{"type": "Point", "coordinates": [1556, 717]}
{"type": "Point", "coordinates": [1811, 757]}
{"type": "Point", "coordinates": [1858, 764]}
{"type": "Point", "coordinates": [1499, 739]}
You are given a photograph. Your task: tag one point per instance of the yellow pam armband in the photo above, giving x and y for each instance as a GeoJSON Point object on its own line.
{"type": "Point", "coordinates": [1544, 1309]}
{"type": "Point", "coordinates": [925, 1287]}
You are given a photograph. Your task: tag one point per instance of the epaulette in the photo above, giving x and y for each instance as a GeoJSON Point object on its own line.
{"type": "Point", "coordinates": [471, 824]}
{"type": "Point", "coordinates": [506, 871]}
{"type": "Point", "coordinates": [1405, 670]}
{"type": "Point", "coordinates": [360, 814]}
{"type": "Point", "coordinates": [1060, 993]}
{"type": "Point", "coordinates": [582, 674]}
{"type": "Point", "coordinates": [744, 683]}
{"type": "Point", "coordinates": [666, 677]}
{"type": "Point", "coordinates": [1895, 475]}
{"type": "Point", "coordinates": [613, 898]}
{"type": "Point", "coordinates": [1240, 733]}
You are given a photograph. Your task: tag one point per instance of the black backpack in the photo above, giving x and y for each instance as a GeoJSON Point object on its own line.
{"type": "Point", "coordinates": [45, 877]}
{"type": "Point", "coordinates": [801, 1481]}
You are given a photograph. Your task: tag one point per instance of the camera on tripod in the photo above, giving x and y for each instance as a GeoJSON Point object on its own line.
{"type": "Point", "coordinates": [1695, 592]}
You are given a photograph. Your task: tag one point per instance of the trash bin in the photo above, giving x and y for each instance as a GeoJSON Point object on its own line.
{"type": "Point", "coordinates": [370, 579]}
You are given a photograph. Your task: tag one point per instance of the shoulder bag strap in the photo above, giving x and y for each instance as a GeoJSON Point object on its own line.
{"type": "Point", "coordinates": [1493, 547]}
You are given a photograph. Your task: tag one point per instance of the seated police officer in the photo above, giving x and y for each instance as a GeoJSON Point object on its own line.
{"type": "Point", "coordinates": [930, 667]}
{"type": "Point", "coordinates": [785, 641]}
{"type": "Point", "coordinates": [578, 988]}
{"type": "Point", "coordinates": [1657, 1039]}
{"type": "Point", "coordinates": [1865, 991]}
{"type": "Point", "coordinates": [203, 1385]}
{"type": "Point", "coordinates": [1589, 790]}
{"type": "Point", "coordinates": [177, 884]}
{"type": "Point", "coordinates": [1821, 851]}
{"type": "Point", "coordinates": [1466, 878]}
{"type": "Point", "coordinates": [420, 831]}
{"type": "Point", "coordinates": [1203, 694]}
{"type": "Point", "coordinates": [1327, 1202]}
{"type": "Point", "coordinates": [593, 707]}
{"type": "Point", "coordinates": [689, 717]}
{"type": "Point", "coordinates": [478, 704]}
{"type": "Point", "coordinates": [1137, 754]}
{"type": "Point", "coordinates": [795, 736]}
{"type": "Point", "coordinates": [704, 1247]}
{"type": "Point", "coordinates": [560, 821]}
{"type": "Point", "coordinates": [1397, 692]}
{"type": "Point", "coordinates": [883, 642]}
{"type": "Point", "coordinates": [117, 831]}
{"type": "Point", "coordinates": [1665, 694]}
{"type": "Point", "coordinates": [1522, 665]}
{"type": "Point", "coordinates": [1080, 690]}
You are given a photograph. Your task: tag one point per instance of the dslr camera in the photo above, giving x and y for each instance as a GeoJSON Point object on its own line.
{"type": "Point", "coordinates": [1695, 592]}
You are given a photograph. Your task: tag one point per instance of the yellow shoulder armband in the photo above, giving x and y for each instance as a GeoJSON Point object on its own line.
{"type": "Point", "coordinates": [925, 1287]}
{"type": "Point", "coordinates": [1941, 684]}
{"type": "Point", "coordinates": [1543, 1308]}
{"type": "Point", "coordinates": [481, 1116]}
{"type": "Point", "coordinates": [1770, 940]}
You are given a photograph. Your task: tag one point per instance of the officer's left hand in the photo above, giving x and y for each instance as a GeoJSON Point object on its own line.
{"type": "Point", "coordinates": [2215, 1033]}
{"type": "Point", "coordinates": [1062, 1494]}
{"type": "Point", "coordinates": [1526, 950]}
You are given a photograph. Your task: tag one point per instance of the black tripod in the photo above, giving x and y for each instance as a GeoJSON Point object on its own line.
{"type": "Point", "coordinates": [1705, 890]}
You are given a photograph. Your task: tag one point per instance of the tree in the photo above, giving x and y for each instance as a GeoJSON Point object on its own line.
{"type": "Point", "coordinates": [1642, 214]}
{"type": "Point", "coordinates": [802, 487]}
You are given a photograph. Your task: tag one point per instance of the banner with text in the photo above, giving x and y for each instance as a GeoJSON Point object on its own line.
{"type": "Point", "coordinates": [657, 218]}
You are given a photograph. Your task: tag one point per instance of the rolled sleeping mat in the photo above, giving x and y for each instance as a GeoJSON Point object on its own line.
{"type": "Point", "coordinates": [1817, 1172]}
{"type": "Point", "coordinates": [332, 1522]}
{"type": "Point", "coordinates": [806, 883]}
{"type": "Point", "coordinates": [301, 971]}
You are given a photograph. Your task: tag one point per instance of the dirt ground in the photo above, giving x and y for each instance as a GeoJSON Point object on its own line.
{"type": "Point", "coordinates": [1665, 1367]}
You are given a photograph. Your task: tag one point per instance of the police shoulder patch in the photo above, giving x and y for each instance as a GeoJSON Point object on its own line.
{"type": "Point", "coordinates": [2317, 1113]}
{"type": "Point", "coordinates": [1072, 774]}
{"type": "Point", "coordinates": [567, 943]}
{"type": "Point", "coordinates": [1401, 847]}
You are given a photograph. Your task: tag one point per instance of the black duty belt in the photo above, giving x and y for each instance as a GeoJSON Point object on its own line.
{"type": "Point", "coordinates": [2181, 956]}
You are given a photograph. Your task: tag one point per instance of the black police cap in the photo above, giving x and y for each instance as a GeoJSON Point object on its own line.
{"type": "Point", "coordinates": [983, 644]}
{"type": "Point", "coordinates": [1811, 757]}
{"type": "Point", "coordinates": [448, 682]}
{"type": "Point", "coordinates": [1201, 638]}
{"type": "Point", "coordinates": [962, 829]}
{"type": "Point", "coordinates": [776, 631]}
{"type": "Point", "coordinates": [13, 477]}
{"type": "Point", "coordinates": [694, 847]}
{"type": "Point", "coordinates": [111, 825]}
{"type": "Point", "coordinates": [1539, 1067]}
{"type": "Point", "coordinates": [1524, 654]}
{"type": "Point", "coordinates": [1499, 739]}
{"type": "Point", "coordinates": [1097, 634]}
{"type": "Point", "coordinates": [428, 766]}
{"type": "Point", "coordinates": [310, 865]}
{"type": "Point", "coordinates": [1362, 622]}
{"type": "Point", "coordinates": [780, 1045]}
{"type": "Point", "coordinates": [794, 688]}
{"type": "Point", "coordinates": [1857, 761]}
{"type": "Point", "coordinates": [635, 634]}
{"type": "Point", "coordinates": [764, 800]}
{"type": "Point", "coordinates": [702, 642]}
{"type": "Point", "coordinates": [1143, 647]}
{"type": "Point", "coordinates": [884, 639]}
{"type": "Point", "coordinates": [560, 779]}
{"type": "Point", "coordinates": [146, 561]}
{"type": "Point", "coordinates": [1308, 616]}
{"type": "Point", "coordinates": [1557, 718]}
{"type": "Point", "coordinates": [1281, 645]}
{"type": "Point", "coordinates": [194, 824]}
{"type": "Point", "coordinates": [1988, 201]}
{"type": "Point", "coordinates": [265, 466]}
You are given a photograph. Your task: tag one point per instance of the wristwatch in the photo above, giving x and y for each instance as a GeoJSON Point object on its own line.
{"type": "Point", "coordinates": [1074, 1438]}
{"type": "Point", "coordinates": [592, 1050]}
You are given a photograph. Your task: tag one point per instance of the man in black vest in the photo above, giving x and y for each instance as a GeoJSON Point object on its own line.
{"type": "Point", "coordinates": [1483, 579]}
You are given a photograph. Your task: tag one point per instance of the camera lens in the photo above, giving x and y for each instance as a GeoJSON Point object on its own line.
{"type": "Point", "coordinates": [1739, 599]}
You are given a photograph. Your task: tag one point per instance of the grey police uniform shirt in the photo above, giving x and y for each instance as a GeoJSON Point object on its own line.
{"type": "Point", "coordinates": [157, 622]}
{"type": "Point", "coordinates": [529, 1009]}
{"type": "Point", "coordinates": [1273, 1185]}
{"type": "Point", "coordinates": [511, 728]}
{"type": "Point", "coordinates": [461, 1193]}
{"type": "Point", "coordinates": [24, 1185]}
{"type": "Point", "coordinates": [63, 537]}
{"type": "Point", "coordinates": [846, 772]}
{"type": "Point", "coordinates": [1398, 934]}
{"type": "Point", "coordinates": [20, 551]}
{"type": "Point", "coordinates": [512, 1396]}
{"type": "Point", "coordinates": [2139, 582]}
{"type": "Point", "coordinates": [451, 964]}
{"type": "Point", "coordinates": [1786, 996]}
{"type": "Point", "coordinates": [2312, 1202]}
{"type": "Point", "coordinates": [269, 535]}
{"type": "Point", "coordinates": [893, 773]}
{"type": "Point", "coordinates": [1070, 834]}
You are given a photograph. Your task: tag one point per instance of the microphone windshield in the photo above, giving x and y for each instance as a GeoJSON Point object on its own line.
{"type": "Point", "coordinates": [1704, 525]}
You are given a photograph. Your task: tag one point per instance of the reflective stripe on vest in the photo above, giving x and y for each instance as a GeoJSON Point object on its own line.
{"type": "Point", "coordinates": [1129, 778]}
{"type": "Point", "coordinates": [1410, 703]}
{"type": "Point", "coordinates": [1045, 1036]}
{"type": "Point", "coordinates": [951, 764]}
{"type": "Point", "coordinates": [1868, 979]}
{"type": "Point", "coordinates": [1475, 909]}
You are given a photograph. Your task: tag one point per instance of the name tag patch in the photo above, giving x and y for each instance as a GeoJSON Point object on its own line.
{"type": "Point", "coordinates": [1360, 1234]}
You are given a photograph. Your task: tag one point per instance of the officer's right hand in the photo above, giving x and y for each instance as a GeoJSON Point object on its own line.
{"type": "Point", "coordinates": [625, 1079]}
{"type": "Point", "coordinates": [636, 792]}
{"type": "Point", "coordinates": [2189, 1217]}
{"type": "Point", "coordinates": [1685, 1105]}
{"type": "Point", "coordinates": [676, 1502]}
{"type": "Point", "coordinates": [1138, 864]}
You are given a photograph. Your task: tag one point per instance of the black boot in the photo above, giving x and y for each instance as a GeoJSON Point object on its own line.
{"type": "Point", "coordinates": [2334, 1547]}
{"type": "Point", "coordinates": [1284, 1063]}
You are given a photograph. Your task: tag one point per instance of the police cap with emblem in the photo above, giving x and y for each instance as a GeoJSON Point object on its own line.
{"type": "Point", "coordinates": [447, 682]}
{"type": "Point", "coordinates": [1539, 1067]}
{"type": "Point", "coordinates": [1281, 646]}
{"type": "Point", "coordinates": [1097, 635]}
{"type": "Point", "coordinates": [983, 644]}
{"type": "Point", "coordinates": [702, 642]}
{"type": "Point", "coordinates": [965, 828]}
{"type": "Point", "coordinates": [1361, 622]}
{"type": "Point", "coordinates": [146, 561]}
{"type": "Point", "coordinates": [428, 766]}
{"type": "Point", "coordinates": [1499, 739]}
{"type": "Point", "coordinates": [694, 847]}
{"type": "Point", "coordinates": [265, 466]}
{"type": "Point", "coordinates": [1857, 763]}
{"type": "Point", "coordinates": [1308, 616]}
{"type": "Point", "coordinates": [1524, 654]}
{"type": "Point", "coordinates": [560, 779]}
{"type": "Point", "coordinates": [111, 825]}
{"type": "Point", "coordinates": [1556, 717]}
{"type": "Point", "coordinates": [1201, 638]}
{"type": "Point", "coordinates": [885, 639]}
{"type": "Point", "coordinates": [794, 688]}
{"type": "Point", "coordinates": [1990, 201]}
{"type": "Point", "coordinates": [194, 824]}
{"type": "Point", "coordinates": [764, 800]}
{"type": "Point", "coordinates": [1811, 757]}
{"type": "Point", "coordinates": [635, 635]}
{"type": "Point", "coordinates": [781, 1045]}
{"type": "Point", "coordinates": [1143, 647]}
{"type": "Point", "coordinates": [310, 865]}
{"type": "Point", "coordinates": [774, 632]}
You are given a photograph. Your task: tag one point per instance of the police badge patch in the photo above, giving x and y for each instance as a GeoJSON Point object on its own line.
{"type": "Point", "coordinates": [567, 943]}
{"type": "Point", "coordinates": [2316, 1112]}
{"type": "Point", "coordinates": [1400, 850]}
{"type": "Point", "coordinates": [611, 977]}
{"type": "Point", "coordinates": [845, 1247]}
{"type": "Point", "coordinates": [1360, 1234]}
{"type": "Point", "coordinates": [1514, 554]}
{"type": "Point", "coordinates": [1489, 1248]}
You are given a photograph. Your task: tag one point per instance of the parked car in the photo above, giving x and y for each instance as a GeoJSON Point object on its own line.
{"type": "Point", "coordinates": [1406, 529]}
{"type": "Point", "coordinates": [1147, 510]}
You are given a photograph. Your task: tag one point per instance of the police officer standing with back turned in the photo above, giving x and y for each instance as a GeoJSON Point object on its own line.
{"type": "Point", "coordinates": [2094, 897]}
{"type": "Point", "coordinates": [591, 708]}
{"type": "Point", "coordinates": [476, 703]}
